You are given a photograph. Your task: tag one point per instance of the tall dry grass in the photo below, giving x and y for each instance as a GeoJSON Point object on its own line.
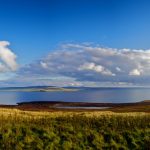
{"type": "Point", "coordinates": [73, 130]}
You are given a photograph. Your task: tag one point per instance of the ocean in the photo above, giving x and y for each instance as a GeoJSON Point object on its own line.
{"type": "Point", "coordinates": [112, 95]}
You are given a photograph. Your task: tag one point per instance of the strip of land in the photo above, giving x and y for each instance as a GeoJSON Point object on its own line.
{"type": "Point", "coordinates": [38, 89]}
{"type": "Point", "coordinates": [51, 106]}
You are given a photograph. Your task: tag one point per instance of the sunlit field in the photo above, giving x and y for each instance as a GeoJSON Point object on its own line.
{"type": "Point", "coordinates": [73, 130]}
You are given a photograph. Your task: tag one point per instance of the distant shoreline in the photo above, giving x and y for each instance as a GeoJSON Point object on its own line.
{"type": "Point", "coordinates": [59, 89]}
{"type": "Point", "coordinates": [34, 89]}
{"type": "Point", "coordinates": [143, 106]}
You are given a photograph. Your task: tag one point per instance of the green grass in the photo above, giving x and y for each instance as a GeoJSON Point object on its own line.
{"type": "Point", "coordinates": [73, 130]}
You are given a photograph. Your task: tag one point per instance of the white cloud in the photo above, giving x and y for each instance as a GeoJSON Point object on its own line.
{"type": "Point", "coordinates": [118, 69]}
{"type": "Point", "coordinates": [97, 68]}
{"type": "Point", "coordinates": [7, 58]}
{"type": "Point", "coordinates": [44, 65]}
{"type": "Point", "coordinates": [86, 63]}
{"type": "Point", "coordinates": [135, 72]}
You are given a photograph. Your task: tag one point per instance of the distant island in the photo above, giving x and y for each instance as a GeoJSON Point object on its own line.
{"type": "Point", "coordinates": [39, 89]}
{"type": "Point", "coordinates": [55, 88]}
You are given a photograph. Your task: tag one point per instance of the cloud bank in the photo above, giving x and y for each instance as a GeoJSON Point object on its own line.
{"type": "Point", "coordinates": [7, 58]}
{"type": "Point", "coordinates": [95, 64]}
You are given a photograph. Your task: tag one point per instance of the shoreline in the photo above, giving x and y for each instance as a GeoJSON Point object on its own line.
{"type": "Point", "coordinates": [143, 106]}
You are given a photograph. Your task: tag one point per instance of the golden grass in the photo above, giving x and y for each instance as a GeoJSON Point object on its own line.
{"type": "Point", "coordinates": [39, 114]}
{"type": "Point", "coordinates": [32, 130]}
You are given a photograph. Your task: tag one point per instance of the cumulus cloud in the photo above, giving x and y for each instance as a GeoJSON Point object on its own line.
{"type": "Point", "coordinates": [118, 69]}
{"type": "Point", "coordinates": [43, 65]}
{"type": "Point", "coordinates": [97, 68]}
{"type": "Point", "coordinates": [7, 58]}
{"type": "Point", "coordinates": [135, 72]}
{"type": "Point", "coordinates": [86, 63]}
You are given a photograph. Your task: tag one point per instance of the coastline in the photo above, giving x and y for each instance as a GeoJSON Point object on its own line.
{"type": "Point", "coordinates": [143, 106]}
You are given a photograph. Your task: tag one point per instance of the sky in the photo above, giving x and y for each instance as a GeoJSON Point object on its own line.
{"type": "Point", "coordinates": [74, 42]}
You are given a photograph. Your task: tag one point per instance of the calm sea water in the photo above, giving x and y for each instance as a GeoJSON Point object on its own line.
{"type": "Point", "coordinates": [87, 95]}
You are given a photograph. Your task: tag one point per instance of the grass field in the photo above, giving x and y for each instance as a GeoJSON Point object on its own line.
{"type": "Point", "coordinates": [31, 130]}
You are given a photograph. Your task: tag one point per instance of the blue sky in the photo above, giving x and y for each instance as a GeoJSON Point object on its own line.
{"type": "Point", "coordinates": [37, 28]}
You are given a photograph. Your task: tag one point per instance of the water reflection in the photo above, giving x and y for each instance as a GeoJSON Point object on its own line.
{"type": "Point", "coordinates": [8, 97]}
